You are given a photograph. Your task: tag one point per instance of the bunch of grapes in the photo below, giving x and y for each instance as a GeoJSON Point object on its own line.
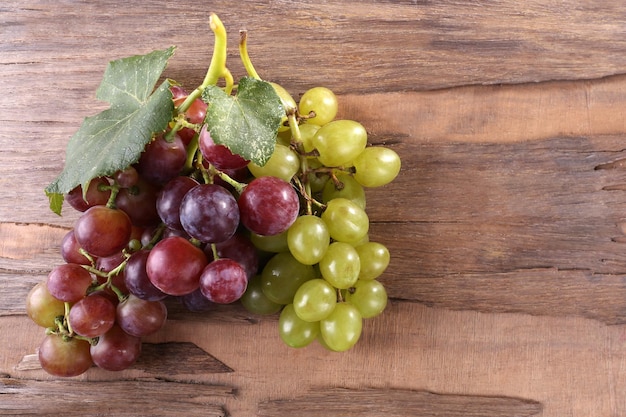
{"type": "Point", "coordinates": [193, 221]}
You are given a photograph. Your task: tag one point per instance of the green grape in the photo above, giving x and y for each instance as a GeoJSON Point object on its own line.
{"type": "Point", "coordinates": [369, 297]}
{"type": "Point", "coordinates": [346, 221]}
{"type": "Point", "coordinates": [255, 301]}
{"type": "Point", "coordinates": [307, 131]}
{"type": "Point", "coordinates": [340, 142]}
{"type": "Point", "coordinates": [308, 239]}
{"type": "Point", "coordinates": [271, 243]}
{"type": "Point", "coordinates": [42, 307]}
{"type": "Point", "coordinates": [288, 103]}
{"type": "Point", "coordinates": [284, 163]}
{"type": "Point", "coordinates": [350, 189]}
{"type": "Point", "coordinates": [374, 258]}
{"type": "Point", "coordinates": [314, 300]}
{"type": "Point", "coordinates": [340, 266]}
{"type": "Point", "coordinates": [342, 328]}
{"type": "Point", "coordinates": [320, 100]}
{"type": "Point", "coordinates": [317, 179]}
{"type": "Point", "coordinates": [294, 331]}
{"type": "Point", "coordinates": [283, 275]}
{"type": "Point", "coordinates": [376, 166]}
{"type": "Point", "coordinates": [284, 137]}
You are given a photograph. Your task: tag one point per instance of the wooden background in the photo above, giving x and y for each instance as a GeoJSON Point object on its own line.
{"type": "Point", "coordinates": [506, 225]}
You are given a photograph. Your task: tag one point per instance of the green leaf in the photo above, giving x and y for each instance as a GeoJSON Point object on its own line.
{"type": "Point", "coordinates": [248, 122]}
{"type": "Point", "coordinates": [115, 138]}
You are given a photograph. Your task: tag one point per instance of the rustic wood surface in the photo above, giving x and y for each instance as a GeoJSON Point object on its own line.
{"type": "Point", "coordinates": [506, 224]}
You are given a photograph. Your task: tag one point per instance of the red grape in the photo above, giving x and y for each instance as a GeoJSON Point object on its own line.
{"type": "Point", "coordinates": [116, 350]}
{"type": "Point", "coordinates": [92, 316]}
{"type": "Point", "coordinates": [94, 196]}
{"type": "Point", "coordinates": [223, 281]}
{"type": "Point", "coordinates": [139, 202]}
{"type": "Point", "coordinates": [68, 282]}
{"type": "Point", "coordinates": [169, 199]}
{"type": "Point", "coordinates": [139, 317]}
{"type": "Point", "coordinates": [136, 278]}
{"type": "Point", "coordinates": [70, 250]}
{"type": "Point", "coordinates": [64, 357]}
{"type": "Point", "coordinates": [238, 248]}
{"type": "Point", "coordinates": [218, 155]}
{"type": "Point", "coordinates": [103, 231]}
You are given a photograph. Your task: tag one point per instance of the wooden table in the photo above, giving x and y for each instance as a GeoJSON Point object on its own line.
{"type": "Point", "coordinates": [506, 225]}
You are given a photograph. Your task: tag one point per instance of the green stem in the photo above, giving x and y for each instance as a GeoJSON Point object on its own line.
{"type": "Point", "coordinates": [228, 179]}
{"type": "Point", "coordinates": [245, 58]}
{"type": "Point", "coordinates": [114, 190]}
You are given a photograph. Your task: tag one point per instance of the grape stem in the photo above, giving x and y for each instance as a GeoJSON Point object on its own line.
{"type": "Point", "coordinates": [243, 53]}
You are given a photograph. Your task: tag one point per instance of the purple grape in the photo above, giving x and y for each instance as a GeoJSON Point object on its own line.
{"type": "Point", "coordinates": [136, 278]}
{"type": "Point", "coordinates": [116, 350]}
{"type": "Point", "coordinates": [223, 281]}
{"type": "Point", "coordinates": [169, 199]}
{"type": "Point", "coordinates": [139, 317]}
{"type": "Point", "coordinates": [218, 155]}
{"type": "Point", "coordinates": [209, 213]}
{"type": "Point", "coordinates": [238, 248]}
{"type": "Point", "coordinates": [197, 302]}
{"type": "Point", "coordinates": [92, 316]}
{"type": "Point", "coordinates": [162, 160]}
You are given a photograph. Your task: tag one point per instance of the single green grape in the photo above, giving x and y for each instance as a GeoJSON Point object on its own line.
{"type": "Point", "coordinates": [308, 239]}
{"type": "Point", "coordinates": [307, 131]}
{"type": "Point", "coordinates": [346, 220]}
{"type": "Point", "coordinates": [317, 178]}
{"type": "Point", "coordinates": [270, 243]}
{"type": "Point", "coordinates": [314, 300]}
{"type": "Point", "coordinates": [340, 142]}
{"type": "Point", "coordinates": [288, 103]}
{"type": "Point", "coordinates": [320, 100]}
{"type": "Point", "coordinates": [342, 328]}
{"type": "Point", "coordinates": [376, 166]}
{"type": "Point", "coordinates": [369, 297]}
{"type": "Point", "coordinates": [350, 189]}
{"type": "Point", "coordinates": [284, 163]}
{"type": "Point", "coordinates": [340, 266]}
{"type": "Point", "coordinates": [42, 307]}
{"type": "Point", "coordinates": [294, 331]}
{"type": "Point", "coordinates": [374, 258]}
{"type": "Point", "coordinates": [255, 301]}
{"type": "Point", "coordinates": [283, 275]}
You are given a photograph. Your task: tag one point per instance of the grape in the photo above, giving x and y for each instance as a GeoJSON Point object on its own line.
{"type": "Point", "coordinates": [139, 202]}
{"type": "Point", "coordinates": [63, 357]}
{"type": "Point", "coordinates": [136, 278]}
{"type": "Point", "coordinates": [346, 221]}
{"type": "Point", "coordinates": [283, 275]}
{"type": "Point", "coordinates": [42, 307]}
{"type": "Point", "coordinates": [103, 231]}
{"type": "Point", "coordinates": [174, 266]}
{"type": "Point", "coordinates": [239, 248]}
{"type": "Point", "coordinates": [68, 282]}
{"type": "Point", "coordinates": [314, 300]}
{"type": "Point", "coordinates": [209, 213]}
{"type": "Point", "coordinates": [288, 103]}
{"type": "Point", "coordinates": [139, 317]}
{"type": "Point", "coordinates": [322, 102]}
{"type": "Point", "coordinates": [308, 239]}
{"type": "Point", "coordinates": [94, 196]}
{"type": "Point", "coordinates": [369, 297]}
{"type": "Point", "coordinates": [116, 350]}
{"type": "Point", "coordinates": [341, 265]}
{"type": "Point", "coordinates": [307, 131]}
{"type": "Point", "coordinates": [342, 328]}
{"type": "Point", "coordinates": [254, 299]}
{"type": "Point", "coordinates": [126, 178]}
{"type": "Point", "coordinates": [196, 302]}
{"type": "Point", "coordinates": [284, 164]}
{"type": "Point", "coordinates": [294, 331]}
{"type": "Point", "coordinates": [268, 206]}
{"type": "Point", "coordinates": [218, 155]}
{"type": "Point", "coordinates": [374, 258]}
{"type": "Point", "coordinates": [316, 178]}
{"type": "Point", "coordinates": [376, 166]}
{"type": "Point", "coordinates": [223, 281]}
{"type": "Point", "coordinates": [169, 199]}
{"type": "Point", "coordinates": [350, 189]}
{"type": "Point", "coordinates": [92, 316]}
{"type": "Point", "coordinates": [162, 160]}
{"type": "Point", "coordinates": [70, 250]}
{"type": "Point", "coordinates": [339, 142]}
{"type": "Point", "coordinates": [274, 243]}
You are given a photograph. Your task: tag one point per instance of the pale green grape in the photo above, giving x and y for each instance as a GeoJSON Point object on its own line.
{"type": "Point", "coordinates": [350, 189]}
{"type": "Point", "coordinates": [340, 266]}
{"type": "Point", "coordinates": [284, 163]}
{"type": "Point", "coordinates": [255, 301]}
{"type": "Point", "coordinates": [369, 297]}
{"type": "Point", "coordinates": [317, 179]}
{"type": "Point", "coordinates": [284, 137]}
{"type": "Point", "coordinates": [307, 131]}
{"type": "Point", "coordinates": [342, 328]}
{"type": "Point", "coordinates": [272, 243]}
{"type": "Point", "coordinates": [376, 166]}
{"type": "Point", "coordinates": [340, 142]}
{"type": "Point", "coordinates": [346, 221]}
{"type": "Point", "coordinates": [288, 103]}
{"type": "Point", "coordinates": [320, 100]}
{"type": "Point", "coordinates": [283, 275]}
{"type": "Point", "coordinates": [308, 239]}
{"type": "Point", "coordinates": [374, 258]}
{"type": "Point", "coordinates": [314, 300]}
{"type": "Point", "coordinates": [294, 331]}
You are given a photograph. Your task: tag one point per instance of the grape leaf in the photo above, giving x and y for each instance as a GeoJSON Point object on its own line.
{"type": "Point", "coordinates": [114, 139]}
{"type": "Point", "coordinates": [248, 122]}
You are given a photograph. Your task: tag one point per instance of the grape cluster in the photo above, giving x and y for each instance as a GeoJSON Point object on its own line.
{"type": "Point", "coordinates": [193, 221]}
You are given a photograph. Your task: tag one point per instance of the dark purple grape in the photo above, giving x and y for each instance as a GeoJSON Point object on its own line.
{"type": "Point", "coordinates": [103, 231]}
{"type": "Point", "coordinates": [209, 213]}
{"type": "Point", "coordinates": [136, 278]}
{"type": "Point", "coordinates": [70, 250]}
{"type": "Point", "coordinates": [218, 155]}
{"type": "Point", "coordinates": [223, 281]}
{"type": "Point", "coordinates": [139, 317]}
{"type": "Point", "coordinates": [69, 282]}
{"type": "Point", "coordinates": [116, 350]}
{"type": "Point", "coordinates": [169, 199]}
{"type": "Point", "coordinates": [126, 178]}
{"type": "Point", "coordinates": [64, 358]}
{"type": "Point", "coordinates": [94, 196]}
{"type": "Point", "coordinates": [196, 302]}
{"type": "Point", "coordinates": [174, 266]}
{"type": "Point", "coordinates": [268, 206]}
{"type": "Point", "coordinates": [92, 316]}
{"type": "Point", "coordinates": [239, 248]}
{"type": "Point", "coordinates": [162, 160]}
{"type": "Point", "coordinates": [139, 202]}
